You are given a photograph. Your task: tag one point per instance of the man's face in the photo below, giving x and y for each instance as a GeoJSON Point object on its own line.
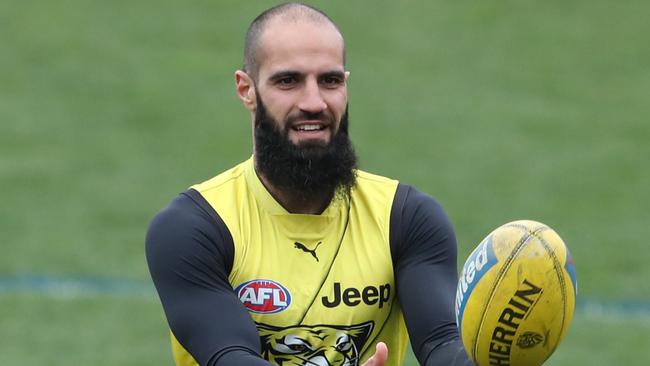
{"type": "Point", "coordinates": [308, 169]}
{"type": "Point", "coordinates": [302, 80]}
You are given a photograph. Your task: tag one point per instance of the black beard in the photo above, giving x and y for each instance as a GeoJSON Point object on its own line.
{"type": "Point", "coordinates": [307, 170]}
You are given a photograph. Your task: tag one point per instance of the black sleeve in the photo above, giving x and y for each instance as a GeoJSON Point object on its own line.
{"type": "Point", "coordinates": [190, 253]}
{"type": "Point", "coordinates": [423, 247]}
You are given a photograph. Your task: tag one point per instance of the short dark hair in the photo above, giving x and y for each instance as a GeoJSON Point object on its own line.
{"type": "Point", "coordinates": [293, 11]}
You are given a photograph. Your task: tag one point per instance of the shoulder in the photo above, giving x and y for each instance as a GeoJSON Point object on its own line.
{"type": "Point", "coordinates": [186, 227]}
{"type": "Point", "coordinates": [229, 176]}
{"type": "Point", "coordinates": [374, 187]}
{"type": "Point", "coordinates": [412, 204]}
{"type": "Point", "coordinates": [369, 181]}
{"type": "Point", "coordinates": [419, 223]}
{"type": "Point", "coordinates": [180, 212]}
{"type": "Point", "coordinates": [367, 177]}
{"type": "Point", "coordinates": [188, 209]}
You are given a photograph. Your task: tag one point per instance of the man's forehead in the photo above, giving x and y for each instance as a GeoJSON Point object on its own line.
{"type": "Point", "coordinates": [287, 44]}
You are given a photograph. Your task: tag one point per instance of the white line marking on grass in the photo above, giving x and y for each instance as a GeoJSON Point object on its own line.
{"type": "Point", "coordinates": [89, 286]}
{"type": "Point", "coordinates": [76, 287]}
{"type": "Point", "coordinates": [613, 308]}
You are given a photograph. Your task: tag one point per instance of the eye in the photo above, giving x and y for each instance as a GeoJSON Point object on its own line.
{"type": "Point", "coordinates": [332, 81]}
{"type": "Point", "coordinates": [286, 82]}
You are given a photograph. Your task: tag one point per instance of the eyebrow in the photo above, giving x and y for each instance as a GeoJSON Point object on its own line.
{"type": "Point", "coordinates": [334, 73]}
{"type": "Point", "coordinates": [283, 74]}
{"type": "Point", "coordinates": [296, 74]}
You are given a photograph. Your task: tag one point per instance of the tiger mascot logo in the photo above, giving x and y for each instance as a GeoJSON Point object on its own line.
{"type": "Point", "coordinates": [318, 345]}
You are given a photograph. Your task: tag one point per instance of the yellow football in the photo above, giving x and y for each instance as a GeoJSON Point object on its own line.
{"type": "Point", "coordinates": [516, 295]}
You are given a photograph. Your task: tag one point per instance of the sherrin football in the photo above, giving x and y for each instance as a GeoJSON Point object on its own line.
{"type": "Point", "coordinates": [516, 295]}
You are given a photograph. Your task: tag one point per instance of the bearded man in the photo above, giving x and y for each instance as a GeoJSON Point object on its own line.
{"type": "Point", "coordinates": [296, 257]}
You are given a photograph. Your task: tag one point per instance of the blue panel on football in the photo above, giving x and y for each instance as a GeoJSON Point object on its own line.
{"type": "Point", "coordinates": [571, 270]}
{"type": "Point", "coordinates": [477, 265]}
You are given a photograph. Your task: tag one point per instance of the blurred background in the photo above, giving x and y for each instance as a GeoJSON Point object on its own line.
{"type": "Point", "coordinates": [501, 110]}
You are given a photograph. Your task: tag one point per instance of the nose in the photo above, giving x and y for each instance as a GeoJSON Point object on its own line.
{"type": "Point", "coordinates": [312, 99]}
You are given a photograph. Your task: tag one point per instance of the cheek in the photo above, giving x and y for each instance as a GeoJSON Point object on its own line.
{"type": "Point", "coordinates": [337, 105]}
{"type": "Point", "coordinates": [277, 106]}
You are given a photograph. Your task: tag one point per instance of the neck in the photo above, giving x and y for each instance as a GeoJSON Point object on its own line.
{"type": "Point", "coordinates": [297, 204]}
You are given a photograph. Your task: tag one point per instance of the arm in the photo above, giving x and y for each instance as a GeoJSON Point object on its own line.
{"type": "Point", "coordinates": [423, 246]}
{"type": "Point", "coordinates": [190, 252]}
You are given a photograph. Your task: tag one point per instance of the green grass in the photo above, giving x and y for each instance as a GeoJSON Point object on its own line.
{"type": "Point", "coordinates": [502, 110]}
{"type": "Point", "coordinates": [96, 330]}
{"type": "Point", "coordinates": [605, 340]}
{"type": "Point", "coordinates": [108, 330]}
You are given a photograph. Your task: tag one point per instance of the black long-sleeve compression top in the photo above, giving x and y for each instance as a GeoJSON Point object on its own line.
{"type": "Point", "coordinates": [190, 255]}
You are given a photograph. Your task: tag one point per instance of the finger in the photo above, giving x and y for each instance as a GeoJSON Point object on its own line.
{"type": "Point", "coordinates": [380, 356]}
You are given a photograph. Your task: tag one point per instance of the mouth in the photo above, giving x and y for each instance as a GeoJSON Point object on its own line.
{"type": "Point", "coordinates": [314, 131]}
{"type": "Point", "coordinates": [309, 126]}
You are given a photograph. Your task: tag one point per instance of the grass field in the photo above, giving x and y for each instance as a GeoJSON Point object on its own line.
{"type": "Point", "coordinates": [501, 110]}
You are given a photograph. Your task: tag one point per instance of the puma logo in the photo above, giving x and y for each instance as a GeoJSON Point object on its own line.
{"type": "Point", "coordinates": [301, 246]}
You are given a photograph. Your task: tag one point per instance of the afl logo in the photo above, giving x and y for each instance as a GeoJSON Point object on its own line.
{"type": "Point", "coordinates": [263, 296]}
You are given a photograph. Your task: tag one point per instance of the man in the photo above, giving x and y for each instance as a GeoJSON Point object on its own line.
{"type": "Point", "coordinates": [295, 257]}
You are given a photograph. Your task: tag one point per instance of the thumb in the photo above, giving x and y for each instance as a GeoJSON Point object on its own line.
{"type": "Point", "coordinates": [380, 356]}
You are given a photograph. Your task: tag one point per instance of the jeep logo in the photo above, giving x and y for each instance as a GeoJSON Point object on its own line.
{"type": "Point", "coordinates": [369, 295]}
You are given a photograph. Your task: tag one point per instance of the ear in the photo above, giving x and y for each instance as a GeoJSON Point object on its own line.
{"type": "Point", "coordinates": [245, 88]}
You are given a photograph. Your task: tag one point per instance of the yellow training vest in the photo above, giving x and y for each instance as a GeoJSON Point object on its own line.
{"type": "Point", "coordinates": [319, 287]}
